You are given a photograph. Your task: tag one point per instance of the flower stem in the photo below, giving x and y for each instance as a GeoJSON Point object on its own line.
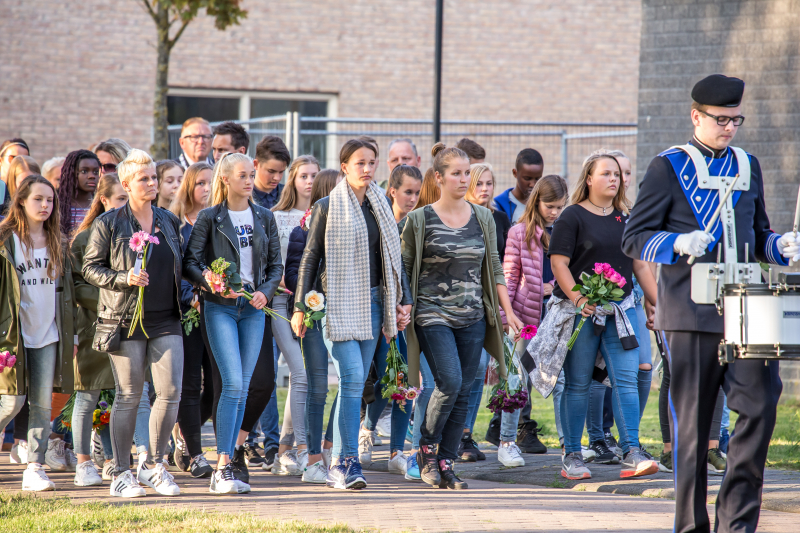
{"type": "Point", "coordinates": [575, 334]}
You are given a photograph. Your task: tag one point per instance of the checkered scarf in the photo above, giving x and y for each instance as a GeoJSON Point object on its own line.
{"type": "Point", "coordinates": [348, 312]}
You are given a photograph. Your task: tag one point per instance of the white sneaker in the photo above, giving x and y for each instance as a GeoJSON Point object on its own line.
{"type": "Point", "coordinates": [34, 479]}
{"type": "Point", "coordinates": [366, 439]}
{"type": "Point", "coordinates": [19, 453]}
{"type": "Point", "coordinates": [286, 464]}
{"type": "Point", "coordinates": [54, 456]}
{"type": "Point", "coordinates": [158, 478]}
{"type": "Point", "coordinates": [398, 463]}
{"type": "Point", "coordinates": [508, 453]}
{"type": "Point", "coordinates": [316, 473]}
{"type": "Point", "coordinates": [302, 460]}
{"type": "Point", "coordinates": [86, 475]}
{"type": "Point", "coordinates": [72, 459]}
{"type": "Point", "coordinates": [384, 426]}
{"type": "Point", "coordinates": [108, 470]}
{"type": "Point", "coordinates": [126, 486]}
{"type": "Point", "coordinates": [588, 454]}
{"type": "Point", "coordinates": [223, 482]}
{"type": "Point", "coordinates": [326, 457]}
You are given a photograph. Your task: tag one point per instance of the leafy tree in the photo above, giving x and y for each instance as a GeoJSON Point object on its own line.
{"type": "Point", "coordinates": [169, 15]}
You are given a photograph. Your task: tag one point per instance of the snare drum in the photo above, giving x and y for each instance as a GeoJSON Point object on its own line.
{"type": "Point", "coordinates": [760, 323]}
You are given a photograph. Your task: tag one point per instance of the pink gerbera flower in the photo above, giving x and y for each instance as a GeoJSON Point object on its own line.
{"type": "Point", "coordinates": [137, 242]}
{"type": "Point", "coordinates": [528, 332]}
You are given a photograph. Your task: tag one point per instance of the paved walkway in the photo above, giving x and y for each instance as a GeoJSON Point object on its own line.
{"type": "Point", "coordinates": [392, 504]}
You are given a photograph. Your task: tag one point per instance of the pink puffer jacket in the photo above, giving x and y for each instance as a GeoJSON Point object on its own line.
{"type": "Point", "coordinates": [523, 273]}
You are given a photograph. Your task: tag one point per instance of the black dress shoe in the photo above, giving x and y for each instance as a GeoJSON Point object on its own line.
{"type": "Point", "coordinates": [528, 439]}
{"type": "Point", "coordinates": [239, 466]}
{"type": "Point", "coordinates": [449, 479]}
{"type": "Point", "coordinates": [493, 433]}
{"type": "Point", "coordinates": [428, 462]}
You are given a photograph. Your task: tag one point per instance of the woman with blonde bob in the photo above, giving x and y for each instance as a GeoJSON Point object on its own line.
{"type": "Point", "coordinates": [294, 202]}
{"type": "Point", "coordinates": [109, 264]}
{"type": "Point", "coordinates": [589, 232]}
{"type": "Point", "coordinates": [244, 234]}
{"type": "Point", "coordinates": [36, 296]}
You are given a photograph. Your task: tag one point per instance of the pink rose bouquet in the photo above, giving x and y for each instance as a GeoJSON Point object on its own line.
{"type": "Point", "coordinates": [139, 243]}
{"type": "Point", "coordinates": [604, 286]}
{"type": "Point", "coordinates": [224, 277]}
{"type": "Point", "coordinates": [7, 361]}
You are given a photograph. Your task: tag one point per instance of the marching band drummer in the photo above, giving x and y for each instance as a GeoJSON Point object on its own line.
{"type": "Point", "coordinates": [666, 226]}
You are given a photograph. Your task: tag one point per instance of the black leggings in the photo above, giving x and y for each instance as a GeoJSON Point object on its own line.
{"type": "Point", "coordinates": [663, 409]}
{"type": "Point", "coordinates": [261, 384]}
{"type": "Point", "coordinates": [197, 396]}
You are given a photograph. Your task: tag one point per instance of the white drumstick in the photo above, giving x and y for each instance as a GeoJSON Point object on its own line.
{"type": "Point", "coordinates": [714, 218]}
{"type": "Point", "coordinates": [796, 220]}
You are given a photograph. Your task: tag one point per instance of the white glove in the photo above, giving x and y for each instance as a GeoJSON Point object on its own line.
{"type": "Point", "coordinates": [789, 246]}
{"type": "Point", "coordinates": [694, 243]}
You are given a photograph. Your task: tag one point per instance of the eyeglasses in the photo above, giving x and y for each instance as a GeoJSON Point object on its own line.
{"type": "Point", "coordinates": [197, 138]}
{"type": "Point", "coordinates": [738, 120]}
{"type": "Point", "coordinates": [108, 167]}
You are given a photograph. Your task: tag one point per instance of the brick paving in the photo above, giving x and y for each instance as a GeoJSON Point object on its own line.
{"type": "Point", "coordinates": [392, 504]}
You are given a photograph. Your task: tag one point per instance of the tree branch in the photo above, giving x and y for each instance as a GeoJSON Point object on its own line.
{"type": "Point", "coordinates": [174, 40]}
{"type": "Point", "coordinates": [150, 9]}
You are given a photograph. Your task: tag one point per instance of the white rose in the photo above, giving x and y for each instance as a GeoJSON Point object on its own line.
{"type": "Point", "coordinates": [315, 301]}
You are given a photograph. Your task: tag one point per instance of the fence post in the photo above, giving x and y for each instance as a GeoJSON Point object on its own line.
{"type": "Point", "coordinates": [288, 135]}
{"type": "Point", "coordinates": [564, 154]}
{"type": "Point", "coordinates": [295, 133]}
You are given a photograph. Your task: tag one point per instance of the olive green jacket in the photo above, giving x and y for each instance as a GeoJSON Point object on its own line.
{"type": "Point", "coordinates": [413, 240]}
{"type": "Point", "coordinates": [15, 381]}
{"type": "Point", "coordinates": [92, 368]}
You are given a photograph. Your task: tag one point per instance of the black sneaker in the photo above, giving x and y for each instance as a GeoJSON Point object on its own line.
{"type": "Point", "coordinates": [170, 459]}
{"type": "Point", "coordinates": [239, 466]}
{"type": "Point", "coordinates": [251, 455]}
{"type": "Point", "coordinates": [269, 458]}
{"type": "Point", "coordinates": [604, 456]}
{"type": "Point", "coordinates": [428, 461]}
{"type": "Point", "coordinates": [468, 450]}
{"type": "Point", "coordinates": [493, 433]}
{"type": "Point", "coordinates": [449, 479]}
{"type": "Point", "coordinates": [183, 462]}
{"type": "Point", "coordinates": [199, 467]}
{"type": "Point", "coordinates": [528, 438]}
{"type": "Point", "coordinates": [611, 442]}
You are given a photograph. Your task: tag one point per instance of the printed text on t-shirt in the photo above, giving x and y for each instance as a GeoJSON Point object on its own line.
{"type": "Point", "coordinates": [38, 263]}
{"type": "Point", "coordinates": [245, 233]}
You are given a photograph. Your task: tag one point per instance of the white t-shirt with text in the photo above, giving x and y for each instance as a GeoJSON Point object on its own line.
{"type": "Point", "coordinates": [243, 226]}
{"type": "Point", "coordinates": [37, 305]}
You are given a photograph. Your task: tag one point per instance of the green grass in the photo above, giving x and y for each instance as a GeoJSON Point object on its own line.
{"type": "Point", "coordinates": [784, 451]}
{"type": "Point", "coordinates": [24, 513]}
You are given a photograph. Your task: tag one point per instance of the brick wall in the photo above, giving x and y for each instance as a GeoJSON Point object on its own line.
{"type": "Point", "coordinates": [77, 72]}
{"type": "Point", "coordinates": [756, 40]}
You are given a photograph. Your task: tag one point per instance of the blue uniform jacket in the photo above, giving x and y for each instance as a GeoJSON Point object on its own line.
{"type": "Point", "coordinates": [663, 211]}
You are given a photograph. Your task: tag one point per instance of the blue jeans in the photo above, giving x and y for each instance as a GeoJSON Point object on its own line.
{"type": "Point", "coordinates": [558, 392]}
{"type": "Point", "coordinates": [141, 435]}
{"type": "Point", "coordinates": [235, 334]}
{"type": "Point", "coordinates": [41, 366]}
{"type": "Point", "coordinates": [399, 418]}
{"type": "Point", "coordinates": [476, 394]}
{"type": "Point", "coordinates": [623, 367]}
{"type": "Point", "coordinates": [82, 418]}
{"type": "Point", "coordinates": [269, 420]}
{"type": "Point", "coordinates": [352, 359]}
{"type": "Point", "coordinates": [454, 356]}
{"type": "Point", "coordinates": [315, 352]}
{"type": "Point", "coordinates": [421, 403]}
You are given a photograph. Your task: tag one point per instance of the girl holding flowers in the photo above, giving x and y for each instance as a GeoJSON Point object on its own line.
{"type": "Point", "coordinates": [457, 308]}
{"type": "Point", "coordinates": [36, 308]}
{"type": "Point", "coordinates": [290, 209]}
{"type": "Point", "coordinates": [109, 263]}
{"type": "Point", "coordinates": [353, 249]}
{"type": "Point", "coordinates": [234, 230]}
{"type": "Point", "coordinates": [586, 241]}
{"type": "Point", "coordinates": [92, 368]}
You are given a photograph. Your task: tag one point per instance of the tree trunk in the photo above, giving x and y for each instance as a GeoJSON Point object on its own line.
{"type": "Point", "coordinates": [160, 148]}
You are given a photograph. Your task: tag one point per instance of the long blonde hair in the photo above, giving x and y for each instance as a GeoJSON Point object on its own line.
{"type": "Point", "coordinates": [581, 191]}
{"type": "Point", "coordinates": [224, 167]}
{"type": "Point", "coordinates": [548, 189]}
{"type": "Point", "coordinates": [288, 197]}
{"type": "Point", "coordinates": [475, 172]}
{"type": "Point", "coordinates": [184, 199]}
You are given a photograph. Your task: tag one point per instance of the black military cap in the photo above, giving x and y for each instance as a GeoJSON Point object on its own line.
{"type": "Point", "coordinates": [718, 90]}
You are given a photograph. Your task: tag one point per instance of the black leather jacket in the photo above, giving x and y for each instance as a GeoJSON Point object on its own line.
{"type": "Point", "coordinates": [312, 272]}
{"type": "Point", "coordinates": [213, 236]}
{"type": "Point", "coordinates": [108, 258]}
